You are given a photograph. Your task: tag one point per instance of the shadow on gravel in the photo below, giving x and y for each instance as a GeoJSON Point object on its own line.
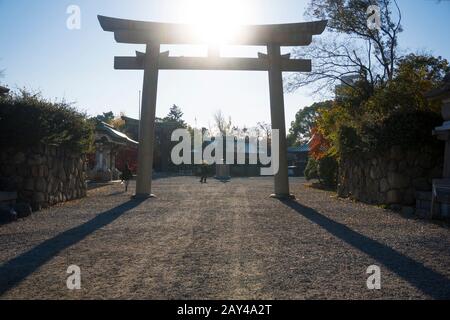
{"type": "Point", "coordinates": [16, 270]}
{"type": "Point", "coordinates": [426, 280]}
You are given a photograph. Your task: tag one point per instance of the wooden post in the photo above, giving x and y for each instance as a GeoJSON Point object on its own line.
{"type": "Point", "coordinates": [147, 123]}
{"type": "Point", "coordinates": [278, 120]}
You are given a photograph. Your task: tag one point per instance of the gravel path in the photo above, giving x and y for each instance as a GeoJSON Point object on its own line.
{"type": "Point", "coordinates": [222, 241]}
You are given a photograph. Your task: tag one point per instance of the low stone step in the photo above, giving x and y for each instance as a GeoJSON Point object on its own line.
{"type": "Point", "coordinates": [7, 214]}
{"type": "Point", "coordinates": [421, 213]}
{"type": "Point", "coordinates": [423, 195]}
{"type": "Point", "coordinates": [423, 205]}
{"type": "Point", "coordinates": [443, 197]}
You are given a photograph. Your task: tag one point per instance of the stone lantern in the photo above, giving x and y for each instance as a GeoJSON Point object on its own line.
{"type": "Point", "coordinates": [441, 187]}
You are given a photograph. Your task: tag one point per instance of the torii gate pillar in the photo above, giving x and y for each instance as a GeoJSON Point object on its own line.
{"type": "Point", "coordinates": [147, 122]}
{"type": "Point", "coordinates": [278, 120]}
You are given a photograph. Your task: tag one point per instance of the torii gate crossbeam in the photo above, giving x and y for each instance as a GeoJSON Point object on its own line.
{"type": "Point", "coordinates": [154, 34]}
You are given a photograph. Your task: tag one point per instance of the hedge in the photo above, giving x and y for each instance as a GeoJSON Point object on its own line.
{"type": "Point", "coordinates": [408, 129]}
{"type": "Point", "coordinates": [27, 119]}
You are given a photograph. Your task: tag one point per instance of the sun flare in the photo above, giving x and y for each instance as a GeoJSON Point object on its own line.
{"type": "Point", "coordinates": [215, 21]}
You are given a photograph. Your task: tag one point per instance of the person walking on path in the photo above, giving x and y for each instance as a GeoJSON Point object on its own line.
{"type": "Point", "coordinates": [126, 176]}
{"type": "Point", "coordinates": [204, 172]}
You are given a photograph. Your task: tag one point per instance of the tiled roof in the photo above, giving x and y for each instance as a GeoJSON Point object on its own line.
{"type": "Point", "coordinates": [114, 134]}
{"type": "Point", "coordinates": [3, 90]}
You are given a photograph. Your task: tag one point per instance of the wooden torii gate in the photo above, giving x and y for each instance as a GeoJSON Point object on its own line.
{"type": "Point", "coordinates": [153, 34]}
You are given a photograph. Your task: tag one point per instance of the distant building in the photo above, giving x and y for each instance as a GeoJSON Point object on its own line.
{"type": "Point", "coordinates": [163, 133]}
{"type": "Point", "coordinates": [298, 159]}
{"type": "Point", "coordinates": [3, 91]}
{"type": "Point", "coordinates": [162, 153]}
{"type": "Point", "coordinates": [113, 149]}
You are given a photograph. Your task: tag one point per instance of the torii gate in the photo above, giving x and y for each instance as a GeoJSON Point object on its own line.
{"type": "Point", "coordinates": [153, 34]}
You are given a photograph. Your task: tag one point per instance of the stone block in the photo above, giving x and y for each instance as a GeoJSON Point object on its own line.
{"type": "Point", "coordinates": [394, 197]}
{"type": "Point", "coordinates": [392, 166]}
{"type": "Point", "coordinates": [384, 185]}
{"type": "Point", "coordinates": [40, 185]}
{"type": "Point", "coordinates": [424, 160]}
{"type": "Point", "coordinates": [403, 166]}
{"type": "Point", "coordinates": [398, 181]}
{"type": "Point", "coordinates": [22, 170]}
{"type": "Point", "coordinates": [18, 182]}
{"type": "Point", "coordinates": [421, 184]}
{"type": "Point", "coordinates": [36, 160]}
{"type": "Point", "coordinates": [409, 211]}
{"type": "Point", "coordinates": [411, 157]}
{"type": "Point", "coordinates": [23, 210]}
{"type": "Point", "coordinates": [39, 197]}
{"type": "Point", "coordinates": [29, 184]}
{"type": "Point", "coordinates": [35, 171]}
{"type": "Point", "coordinates": [416, 172]}
{"type": "Point", "coordinates": [62, 174]}
{"type": "Point", "coordinates": [8, 170]}
{"type": "Point", "coordinates": [408, 197]}
{"type": "Point", "coordinates": [45, 171]}
{"type": "Point", "coordinates": [19, 158]}
{"type": "Point", "coordinates": [396, 153]}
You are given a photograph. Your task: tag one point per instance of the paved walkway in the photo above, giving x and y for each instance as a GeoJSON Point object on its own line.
{"type": "Point", "coordinates": [222, 240]}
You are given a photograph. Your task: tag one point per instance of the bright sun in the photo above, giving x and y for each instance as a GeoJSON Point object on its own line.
{"type": "Point", "coordinates": [215, 21]}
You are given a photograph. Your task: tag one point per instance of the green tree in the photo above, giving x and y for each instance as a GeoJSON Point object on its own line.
{"type": "Point", "coordinates": [327, 169]}
{"type": "Point", "coordinates": [27, 119]}
{"type": "Point", "coordinates": [351, 47]}
{"type": "Point", "coordinates": [106, 117]}
{"type": "Point", "coordinates": [305, 120]}
{"type": "Point", "coordinates": [311, 169]}
{"type": "Point", "coordinates": [414, 76]}
{"type": "Point", "coordinates": [175, 115]}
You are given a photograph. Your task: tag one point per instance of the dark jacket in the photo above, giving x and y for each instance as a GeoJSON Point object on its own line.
{"type": "Point", "coordinates": [127, 174]}
{"type": "Point", "coordinates": [204, 169]}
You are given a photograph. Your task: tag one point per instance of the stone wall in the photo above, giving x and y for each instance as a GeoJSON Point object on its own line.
{"type": "Point", "coordinates": [43, 175]}
{"type": "Point", "coordinates": [391, 178]}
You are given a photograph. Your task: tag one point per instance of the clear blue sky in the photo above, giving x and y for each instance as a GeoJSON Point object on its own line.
{"type": "Point", "coordinates": [39, 52]}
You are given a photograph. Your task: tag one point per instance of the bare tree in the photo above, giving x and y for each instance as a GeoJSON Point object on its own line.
{"type": "Point", "coordinates": [223, 125]}
{"type": "Point", "coordinates": [351, 47]}
{"type": "Point", "coordinates": [266, 129]}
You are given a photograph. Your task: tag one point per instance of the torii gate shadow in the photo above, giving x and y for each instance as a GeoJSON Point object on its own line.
{"type": "Point", "coordinates": [418, 275]}
{"type": "Point", "coordinates": [16, 270]}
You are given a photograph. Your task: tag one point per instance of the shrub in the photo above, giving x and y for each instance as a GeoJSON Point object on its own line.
{"type": "Point", "coordinates": [27, 119]}
{"type": "Point", "coordinates": [311, 169]}
{"type": "Point", "coordinates": [408, 129]}
{"type": "Point", "coordinates": [327, 169]}
{"type": "Point", "coordinates": [348, 140]}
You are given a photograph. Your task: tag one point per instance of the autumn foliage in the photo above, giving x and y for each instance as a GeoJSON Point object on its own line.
{"type": "Point", "coordinates": [318, 145]}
